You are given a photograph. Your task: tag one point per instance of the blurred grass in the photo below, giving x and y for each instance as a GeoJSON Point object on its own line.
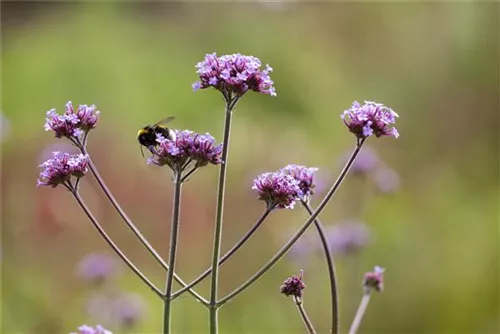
{"type": "Point", "coordinates": [435, 64]}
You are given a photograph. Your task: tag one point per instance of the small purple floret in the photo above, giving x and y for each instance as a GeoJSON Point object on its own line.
{"type": "Point", "coordinates": [185, 147]}
{"type": "Point", "coordinates": [61, 167]}
{"type": "Point", "coordinates": [293, 286]}
{"type": "Point", "coordinates": [234, 73]}
{"type": "Point", "coordinates": [369, 119]}
{"type": "Point", "coordinates": [84, 329]}
{"type": "Point", "coordinates": [374, 280]}
{"type": "Point", "coordinates": [304, 175]}
{"type": "Point", "coordinates": [277, 189]}
{"type": "Point", "coordinates": [97, 267]}
{"type": "Point", "coordinates": [72, 124]}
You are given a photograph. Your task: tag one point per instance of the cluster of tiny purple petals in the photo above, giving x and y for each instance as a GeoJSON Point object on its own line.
{"type": "Point", "coordinates": [278, 189]}
{"type": "Point", "coordinates": [304, 175]}
{"type": "Point", "coordinates": [374, 280]}
{"type": "Point", "coordinates": [187, 145]}
{"type": "Point", "coordinates": [97, 267]}
{"type": "Point", "coordinates": [72, 123]}
{"type": "Point", "coordinates": [234, 73]}
{"type": "Point", "coordinates": [84, 329]}
{"type": "Point", "coordinates": [371, 118]}
{"type": "Point", "coordinates": [293, 286]}
{"type": "Point", "coordinates": [61, 167]}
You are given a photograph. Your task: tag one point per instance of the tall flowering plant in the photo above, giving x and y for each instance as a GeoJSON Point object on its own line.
{"type": "Point", "coordinates": [184, 152]}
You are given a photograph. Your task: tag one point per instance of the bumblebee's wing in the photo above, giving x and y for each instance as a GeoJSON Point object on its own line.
{"type": "Point", "coordinates": [164, 121]}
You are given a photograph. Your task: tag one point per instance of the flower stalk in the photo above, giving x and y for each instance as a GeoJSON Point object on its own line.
{"type": "Point", "coordinates": [174, 235]}
{"type": "Point", "coordinates": [116, 249]}
{"type": "Point", "coordinates": [360, 312]}
{"type": "Point", "coordinates": [231, 102]}
{"type": "Point", "coordinates": [331, 270]}
{"type": "Point", "coordinates": [303, 315]}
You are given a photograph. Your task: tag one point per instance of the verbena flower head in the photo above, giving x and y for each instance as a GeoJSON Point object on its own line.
{"type": "Point", "coordinates": [277, 189]}
{"type": "Point", "coordinates": [304, 175]}
{"type": "Point", "coordinates": [97, 268]}
{"type": "Point", "coordinates": [369, 119]}
{"type": "Point", "coordinates": [128, 309]}
{"type": "Point", "coordinates": [293, 286]}
{"type": "Point", "coordinates": [84, 329]}
{"type": "Point", "coordinates": [366, 161]}
{"type": "Point", "coordinates": [348, 237]}
{"type": "Point", "coordinates": [61, 167]}
{"type": "Point", "coordinates": [186, 146]}
{"type": "Point", "coordinates": [374, 280]}
{"type": "Point", "coordinates": [234, 74]}
{"type": "Point", "coordinates": [387, 180]}
{"type": "Point", "coordinates": [72, 124]}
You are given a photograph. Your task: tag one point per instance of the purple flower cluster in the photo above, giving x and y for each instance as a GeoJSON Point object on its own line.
{"type": "Point", "coordinates": [281, 189]}
{"type": "Point", "coordinates": [97, 267]}
{"type": "Point", "coordinates": [277, 189]}
{"type": "Point", "coordinates": [304, 175]}
{"type": "Point", "coordinates": [293, 286]}
{"type": "Point", "coordinates": [374, 280]}
{"type": "Point", "coordinates": [369, 119]}
{"type": "Point", "coordinates": [186, 146]}
{"type": "Point", "coordinates": [61, 167]}
{"type": "Point", "coordinates": [348, 237]}
{"type": "Point", "coordinates": [72, 124]}
{"type": "Point", "coordinates": [84, 329]}
{"type": "Point", "coordinates": [234, 73]}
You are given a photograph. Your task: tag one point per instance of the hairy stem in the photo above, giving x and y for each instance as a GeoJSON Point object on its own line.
{"type": "Point", "coordinates": [132, 226]}
{"type": "Point", "coordinates": [331, 270]}
{"type": "Point", "coordinates": [299, 233]}
{"type": "Point", "coordinates": [110, 242]}
{"type": "Point", "coordinates": [226, 256]}
{"type": "Point", "coordinates": [360, 313]}
{"type": "Point", "coordinates": [303, 315]}
{"type": "Point", "coordinates": [174, 235]}
{"type": "Point", "coordinates": [230, 104]}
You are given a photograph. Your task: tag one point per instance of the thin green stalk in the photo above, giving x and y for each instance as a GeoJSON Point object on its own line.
{"type": "Point", "coordinates": [226, 256]}
{"type": "Point", "coordinates": [299, 233]}
{"type": "Point", "coordinates": [230, 104]}
{"type": "Point", "coordinates": [110, 242]}
{"type": "Point", "coordinates": [132, 226]}
{"type": "Point", "coordinates": [303, 315]}
{"type": "Point", "coordinates": [360, 312]}
{"type": "Point", "coordinates": [174, 236]}
{"type": "Point", "coordinates": [331, 270]}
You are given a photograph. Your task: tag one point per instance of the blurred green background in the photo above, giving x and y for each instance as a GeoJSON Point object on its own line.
{"type": "Point", "coordinates": [437, 234]}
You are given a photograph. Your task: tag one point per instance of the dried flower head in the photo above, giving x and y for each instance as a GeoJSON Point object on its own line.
{"type": "Point", "coordinates": [72, 124]}
{"type": "Point", "coordinates": [97, 268]}
{"type": "Point", "coordinates": [374, 280]}
{"type": "Point", "coordinates": [304, 175]}
{"type": "Point", "coordinates": [61, 167]}
{"type": "Point", "coordinates": [234, 74]}
{"type": "Point", "coordinates": [84, 329]}
{"type": "Point", "coordinates": [369, 119]}
{"type": "Point", "coordinates": [185, 147]}
{"type": "Point", "coordinates": [277, 189]}
{"type": "Point", "coordinates": [293, 286]}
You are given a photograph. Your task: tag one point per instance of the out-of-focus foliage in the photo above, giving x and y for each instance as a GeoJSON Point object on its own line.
{"type": "Point", "coordinates": [437, 235]}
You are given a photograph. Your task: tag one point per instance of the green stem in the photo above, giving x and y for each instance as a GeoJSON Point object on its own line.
{"type": "Point", "coordinates": [230, 104]}
{"type": "Point", "coordinates": [132, 226]}
{"type": "Point", "coordinates": [299, 233]}
{"type": "Point", "coordinates": [360, 313]}
{"type": "Point", "coordinates": [331, 270]}
{"type": "Point", "coordinates": [110, 242]}
{"type": "Point", "coordinates": [226, 256]}
{"type": "Point", "coordinates": [303, 315]}
{"type": "Point", "coordinates": [174, 236]}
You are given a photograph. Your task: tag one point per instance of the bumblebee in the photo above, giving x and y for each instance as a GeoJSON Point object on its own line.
{"type": "Point", "coordinates": [147, 135]}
